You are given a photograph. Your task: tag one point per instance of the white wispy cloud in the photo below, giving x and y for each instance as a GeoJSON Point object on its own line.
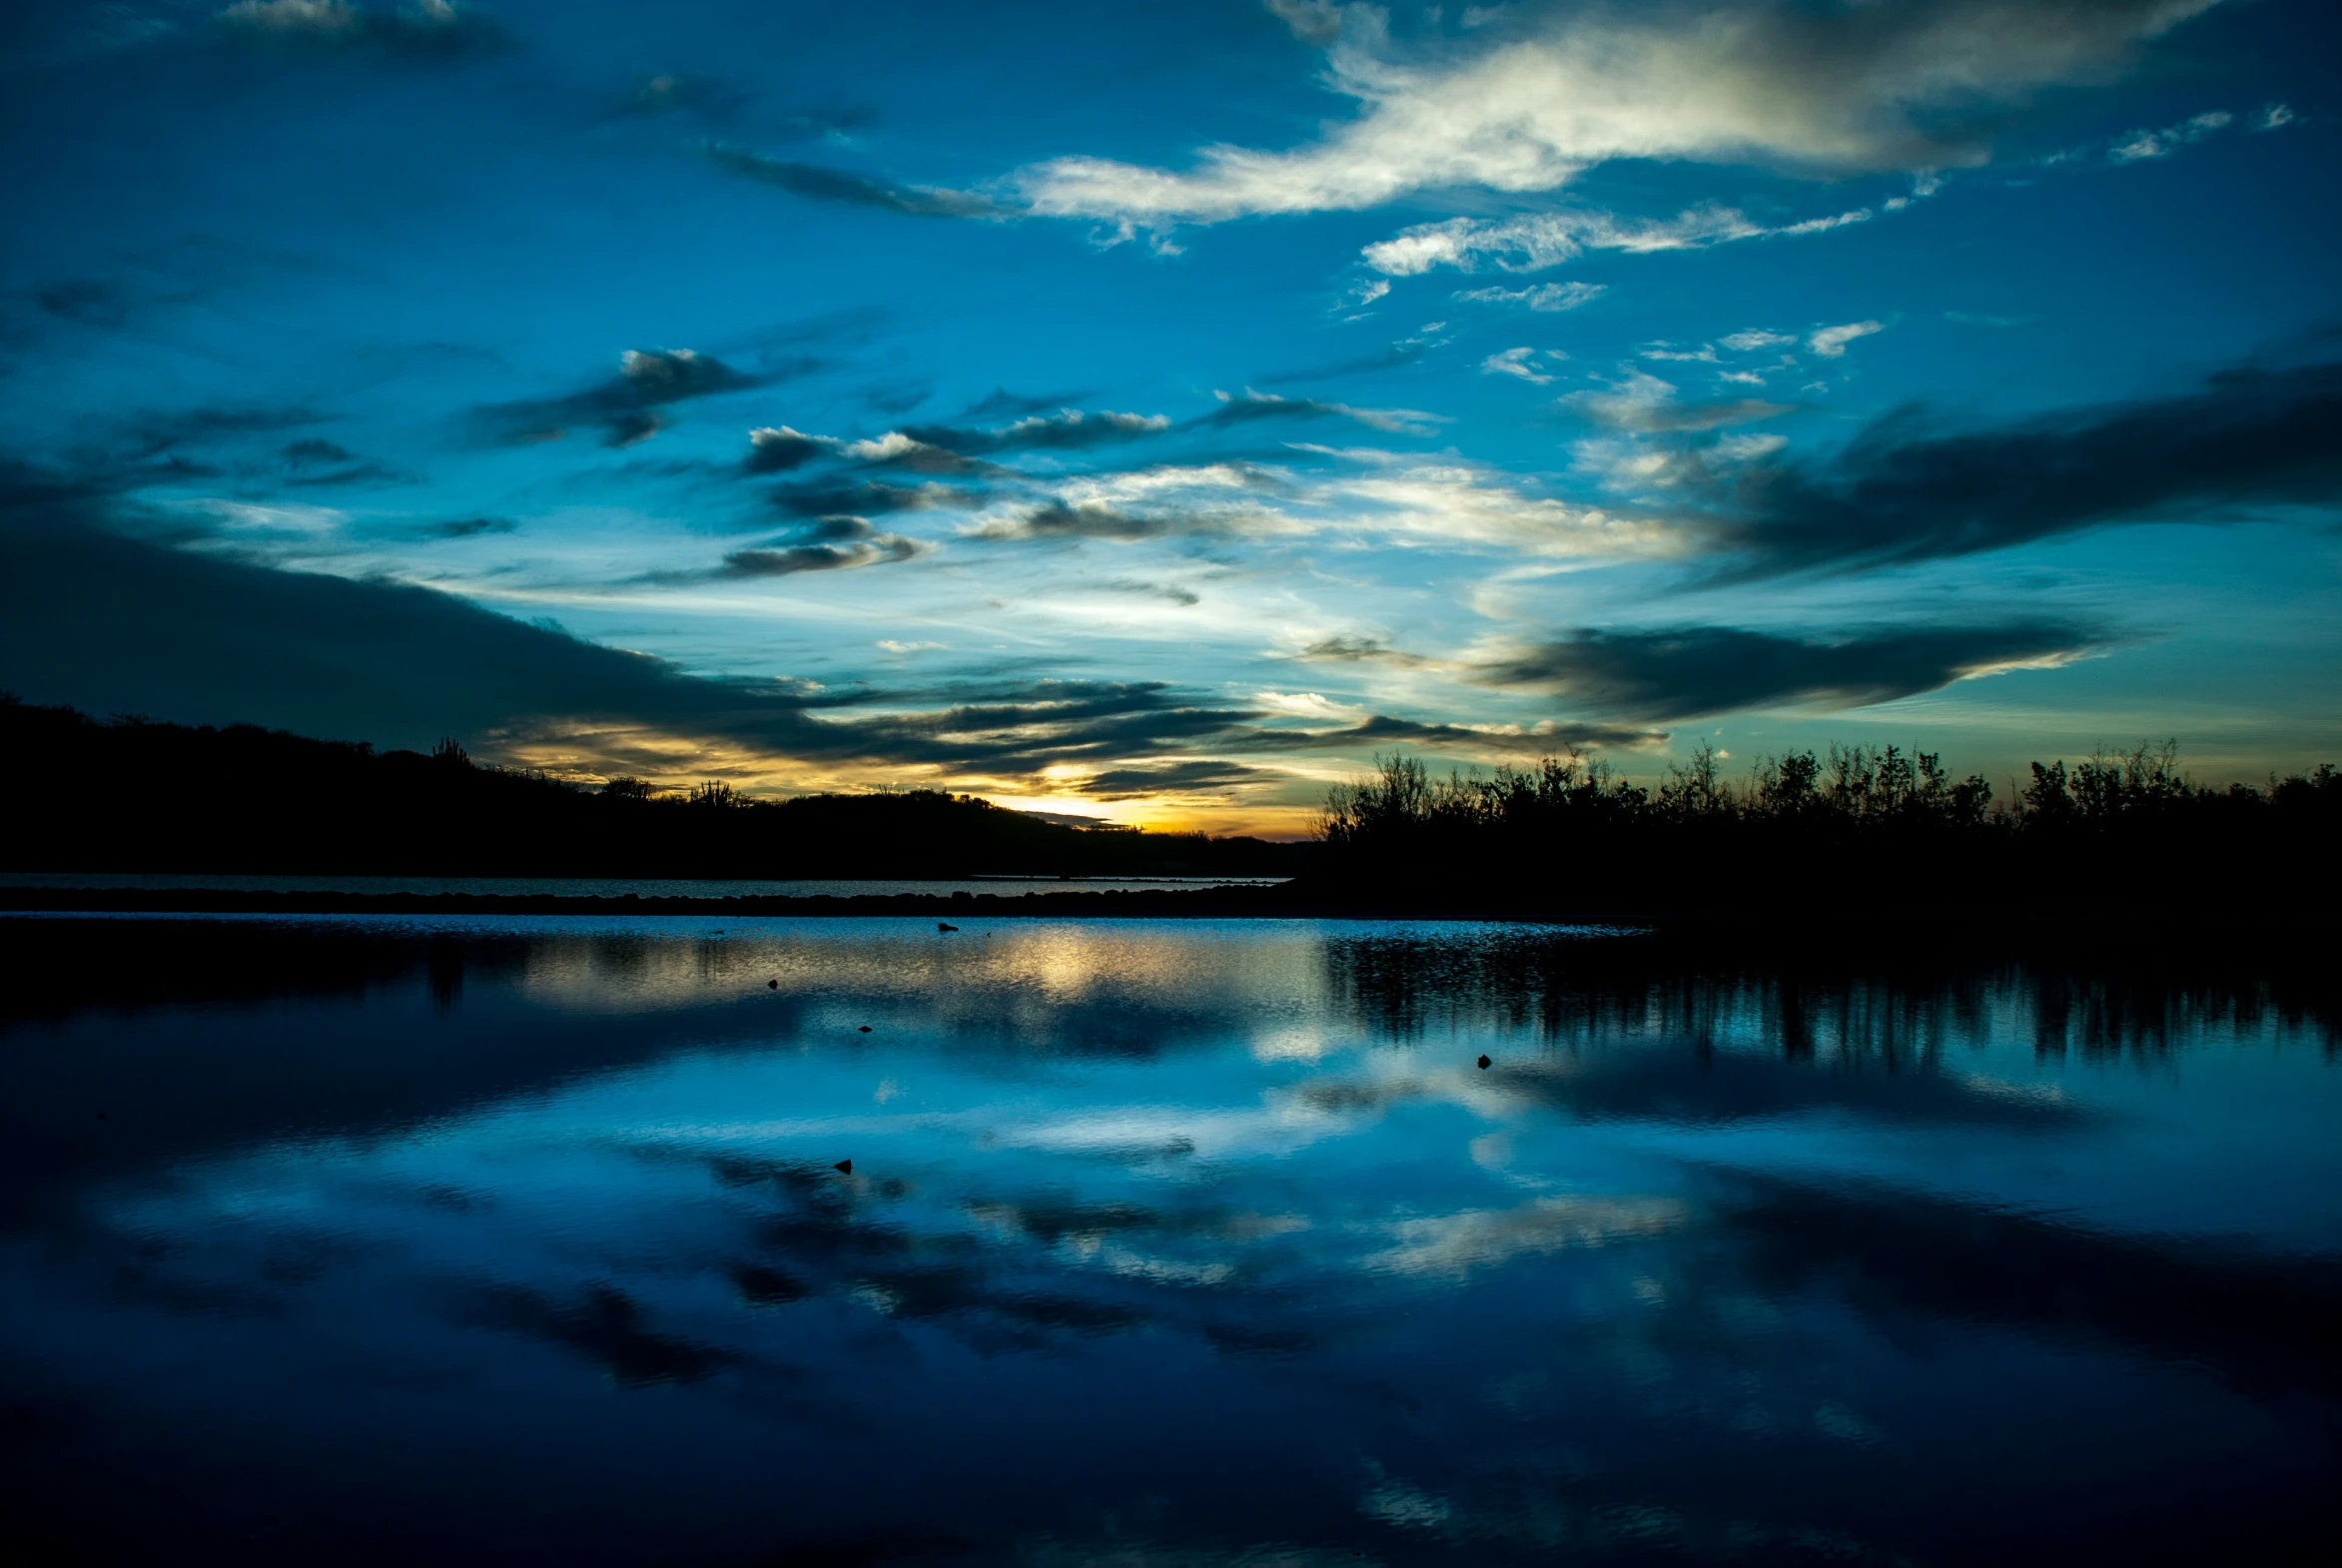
{"type": "Point", "coordinates": [1537, 98]}
{"type": "Point", "coordinates": [1829, 342]}
{"type": "Point", "coordinates": [1312, 21]}
{"type": "Point", "coordinates": [1535, 241]}
{"type": "Point", "coordinates": [1548, 297]}
{"type": "Point", "coordinates": [1515, 361]}
{"type": "Point", "coordinates": [2139, 145]}
{"type": "Point", "coordinates": [1378, 499]}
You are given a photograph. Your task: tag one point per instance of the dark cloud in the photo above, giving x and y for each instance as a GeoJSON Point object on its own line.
{"type": "Point", "coordinates": [1177, 778]}
{"type": "Point", "coordinates": [830, 530]}
{"type": "Point", "coordinates": [88, 301]}
{"type": "Point", "coordinates": [1085, 520]}
{"type": "Point", "coordinates": [117, 624]}
{"type": "Point", "coordinates": [1251, 407]}
{"type": "Point", "coordinates": [824, 184]}
{"type": "Point", "coordinates": [1395, 355]}
{"type": "Point", "coordinates": [604, 1324]}
{"type": "Point", "coordinates": [153, 435]}
{"type": "Point", "coordinates": [314, 448]}
{"type": "Point", "coordinates": [468, 527]}
{"type": "Point", "coordinates": [777, 450]}
{"type": "Point", "coordinates": [1001, 403]}
{"type": "Point", "coordinates": [308, 456]}
{"type": "Point", "coordinates": [356, 473]}
{"type": "Point", "coordinates": [831, 497]}
{"type": "Point", "coordinates": [627, 405]}
{"type": "Point", "coordinates": [1383, 730]}
{"type": "Point", "coordinates": [1067, 428]}
{"type": "Point", "coordinates": [1908, 491]}
{"type": "Point", "coordinates": [632, 429]}
{"type": "Point", "coordinates": [897, 398]}
{"type": "Point", "coordinates": [789, 559]}
{"type": "Point", "coordinates": [1342, 649]}
{"type": "Point", "coordinates": [1698, 1085]}
{"type": "Point", "coordinates": [2262, 1322]}
{"type": "Point", "coordinates": [426, 30]}
{"type": "Point", "coordinates": [1685, 672]}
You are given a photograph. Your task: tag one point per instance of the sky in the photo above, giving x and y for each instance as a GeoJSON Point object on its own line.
{"type": "Point", "coordinates": [1152, 415]}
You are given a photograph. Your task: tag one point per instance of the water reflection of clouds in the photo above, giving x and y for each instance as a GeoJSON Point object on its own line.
{"type": "Point", "coordinates": [1542, 1305]}
{"type": "Point", "coordinates": [1450, 1246]}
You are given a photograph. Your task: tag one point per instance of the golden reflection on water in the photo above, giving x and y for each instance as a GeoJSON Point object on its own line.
{"type": "Point", "coordinates": [1047, 964]}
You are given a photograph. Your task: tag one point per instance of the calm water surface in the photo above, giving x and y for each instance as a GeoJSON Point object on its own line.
{"type": "Point", "coordinates": [612, 886]}
{"type": "Point", "coordinates": [1163, 1245]}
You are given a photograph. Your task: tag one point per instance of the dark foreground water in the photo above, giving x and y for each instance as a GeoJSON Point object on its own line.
{"type": "Point", "coordinates": [1164, 1245]}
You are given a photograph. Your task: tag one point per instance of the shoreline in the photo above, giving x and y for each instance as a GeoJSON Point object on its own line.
{"type": "Point", "coordinates": [2282, 935]}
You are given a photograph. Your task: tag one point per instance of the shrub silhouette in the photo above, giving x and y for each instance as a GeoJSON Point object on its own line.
{"type": "Point", "coordinates": [1569, 833]}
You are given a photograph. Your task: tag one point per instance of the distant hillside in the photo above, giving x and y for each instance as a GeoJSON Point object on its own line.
{"type": "Point", "coordinates": [140, 796]}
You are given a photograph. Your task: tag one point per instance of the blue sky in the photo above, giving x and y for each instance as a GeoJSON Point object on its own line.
{"type": "Point", "coordinates": [1152, 413]}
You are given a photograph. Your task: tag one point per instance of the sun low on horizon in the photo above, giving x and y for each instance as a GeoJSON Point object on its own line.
{"type": "Point", "coordinates": [1151, 416]}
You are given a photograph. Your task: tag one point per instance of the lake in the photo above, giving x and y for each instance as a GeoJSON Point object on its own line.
{"type": "Point", "coordinates": [1153, 1244]}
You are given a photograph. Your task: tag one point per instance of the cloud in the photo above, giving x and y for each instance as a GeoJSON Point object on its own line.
{"type": "Point", "coordinates": [1256, 405]}
{"type": "Point", "coordinates": [1907, 491]}
{"type": "Point", "coordinates": [1312, 21]}
{"type": "Point", "coordinates": [820, 183]}
{"type": "Point", "coordinates": [1515, 361]}
{"type": "Point", "coordinates": [1643, 402]}
{"type": "Point", "coordinates": [1175, 778]}
{"type": "Point", "coordinates": [1097, 519]}
{"type": "Point", "coordinates": [1533, 242]}
{"type": "Point", "coordinates": [1754, 339]}
{"type": "Point", "coordinates": [828, 498]}
{"type": "Point", "coordinates": [468, 527]}
{"type": "Point", "coordinates": [1829, 342]}
{"type": "Point", "coordinates": [154, 434]}
{"type": "Point", "coordinates": [670, 92]}
{"type": "Point", "coordinates": [2139, 145]}
{"type": "Point", "coordinates": [777, 448]}
{"type": "Point", "coordinates": [1452, 1246]}
{"type": "Point", "coordinates": [1001, 401]}
{"type": "Point", "coordinates": [1690, 672]}
{"type": "Point", "coordinates": [427, 29]}
{"type": "Point", "coordinates": [1548, 95]}
{"type": "Point", "coordinates": [625, 405]}
{"type": "Point", "coordinates": [1544, 297]}
{"type": "Point", "coordinates": [1440, 503]}
{"type": "Point", "coordinates": [86, 302]}
{"type": "Point", "coordinates": [1503, 740]}
{"type": "Point", "coordinates": [1062, 430]}
{"type": "Point", "coordinates": [1396, 355]}
{"type": "Point", "coordinates": [790, 560]}
{"type": "Point", "coordinates": [1345, 649]}
{"type": "Point", "coordinates": [112, 624]}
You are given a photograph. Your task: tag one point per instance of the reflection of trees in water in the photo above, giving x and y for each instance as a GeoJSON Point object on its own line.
{"type": "Point", "coordinates": [1572, 993]}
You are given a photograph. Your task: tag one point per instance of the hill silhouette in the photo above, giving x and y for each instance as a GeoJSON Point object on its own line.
{"type": "Point", "coordinates": [139, 795]}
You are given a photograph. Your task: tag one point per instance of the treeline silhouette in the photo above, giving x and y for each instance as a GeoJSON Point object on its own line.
{"type": "Point", "coordinates": [1856, 832]}
{"type": "Point", "coordinates": [139, 795]}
